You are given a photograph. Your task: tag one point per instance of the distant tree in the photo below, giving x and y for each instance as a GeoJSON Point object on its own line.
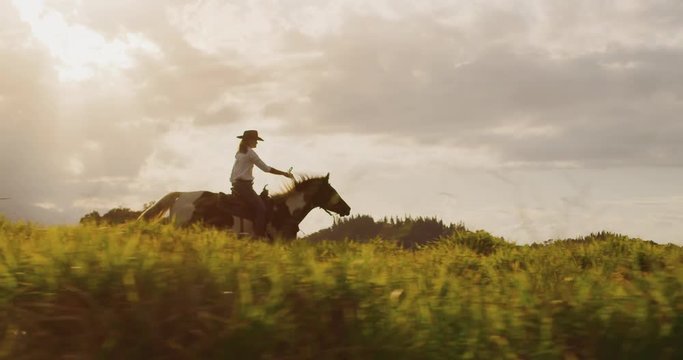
{"type": "Point", "coordinates": [408, 232]}
{"type": "Point", "coordinates": [114, 216]}
{"type": "Point", "coordinates": [423, 230]}
{"type": "Point", "coordinates": [120, 215]}
{"type": "Point", "coordinates": [357, 227]}
{"type": "Point", "coordinates": [148, 205]}
{"type": "Point", "coordinates": [91, 217]}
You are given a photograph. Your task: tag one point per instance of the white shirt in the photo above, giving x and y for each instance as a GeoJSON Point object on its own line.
{"type": "Point", "coordinates": [244, 164]}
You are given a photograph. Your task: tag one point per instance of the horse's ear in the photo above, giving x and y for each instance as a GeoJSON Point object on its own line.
{"type": "Point", "coordinates": [327, 177]}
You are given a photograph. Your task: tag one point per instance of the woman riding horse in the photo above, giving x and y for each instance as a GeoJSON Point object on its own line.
{"type": "Point", "coordinates": [242, 179]}
{"type": "Point", "coordinates": [290, 207]}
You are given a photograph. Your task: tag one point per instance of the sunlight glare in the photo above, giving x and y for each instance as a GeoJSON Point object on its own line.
{"type": "Point", "coordinates": [78, 50]}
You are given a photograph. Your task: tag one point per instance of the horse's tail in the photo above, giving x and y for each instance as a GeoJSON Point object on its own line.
{"type": "Point", "coordinates": [160, 207]}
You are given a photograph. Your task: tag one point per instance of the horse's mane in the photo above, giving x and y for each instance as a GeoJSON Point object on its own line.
{"type": "Point", "coordinates": [303, 179]}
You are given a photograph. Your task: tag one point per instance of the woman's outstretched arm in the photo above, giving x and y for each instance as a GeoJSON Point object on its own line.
{"type": "Point", "coordinates": [278, 172]}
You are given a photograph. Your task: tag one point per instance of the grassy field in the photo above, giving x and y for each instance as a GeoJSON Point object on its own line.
{"type": "Point", "coordinates": [147, 291]}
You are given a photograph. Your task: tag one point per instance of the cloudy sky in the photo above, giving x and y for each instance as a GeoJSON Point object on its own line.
{"type": "Point", "coordinates": [532, 120]}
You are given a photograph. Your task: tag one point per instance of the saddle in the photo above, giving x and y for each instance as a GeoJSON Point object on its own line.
{"type": "Point", "coordinates": [233, 204]}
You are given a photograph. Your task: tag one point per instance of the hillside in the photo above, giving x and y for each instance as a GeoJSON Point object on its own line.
{"type": "Point", "coordinates": [139, 291]}
{"type": "Point", "coordinates": [407, 232]}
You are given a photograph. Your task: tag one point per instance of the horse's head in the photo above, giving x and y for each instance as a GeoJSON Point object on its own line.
{"type": "Point", "coordinates": [323, 195]}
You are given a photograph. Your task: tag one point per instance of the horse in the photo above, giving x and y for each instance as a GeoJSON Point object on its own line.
{"type": "Point", "coordinates": [285, 210]}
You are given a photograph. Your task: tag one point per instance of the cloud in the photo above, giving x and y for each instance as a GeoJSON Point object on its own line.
{"type": "Point", "coordinates": [549, 74]}
{"type": "Point", "coordinates": [26, 104]}
{"type": "Point", "coordinates": [186, 81]}
{"type": "Point", "coordinates": [59, 133]}
{"type": "Point", "coordinates": [391, 94]}
{"type": "Point", "coordinates": [613, 104]}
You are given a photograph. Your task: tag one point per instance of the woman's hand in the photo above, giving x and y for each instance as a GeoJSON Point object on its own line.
{"type": "Point", "coordinates": [285, 174]}
{"type": "Point", "coordinates": [289, 173]}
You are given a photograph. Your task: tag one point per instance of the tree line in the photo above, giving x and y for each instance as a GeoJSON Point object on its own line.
{"type": "Point", "coordinates": [115, 216]}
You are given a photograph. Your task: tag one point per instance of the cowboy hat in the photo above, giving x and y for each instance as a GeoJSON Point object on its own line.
{"type": "Point", "coordinates": [250, 134]}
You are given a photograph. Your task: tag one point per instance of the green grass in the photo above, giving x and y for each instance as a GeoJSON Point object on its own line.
{"type": "Point", "coordinates": [145, 291]}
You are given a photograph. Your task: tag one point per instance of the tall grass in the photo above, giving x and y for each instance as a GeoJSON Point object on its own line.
{"type": "Point", "coordinates": [146, 291]}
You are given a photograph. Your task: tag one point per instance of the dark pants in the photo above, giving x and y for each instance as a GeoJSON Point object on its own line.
{"type": "Point", "coordinates": [245, 190]}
